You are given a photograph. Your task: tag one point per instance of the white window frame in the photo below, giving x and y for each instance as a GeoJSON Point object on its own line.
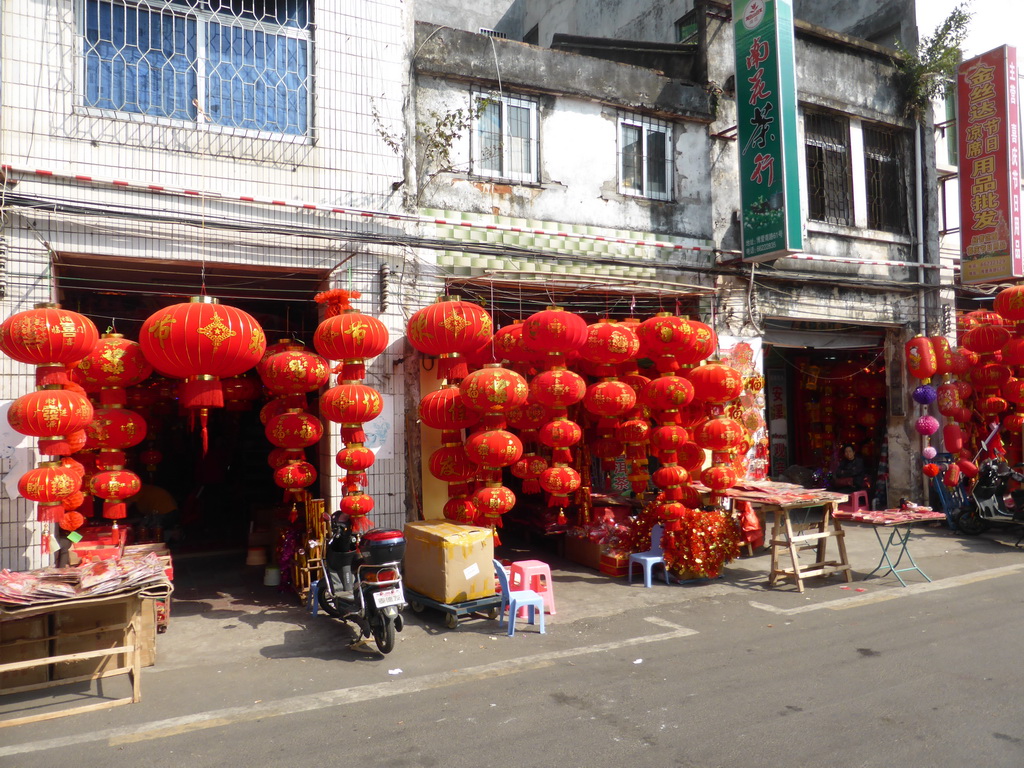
{"type": "Point", "coordinates": [646, 126]}
{"type": "Point", "coordinates": [482, 101]}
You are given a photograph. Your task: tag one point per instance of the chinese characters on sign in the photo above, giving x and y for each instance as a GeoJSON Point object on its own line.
{"type": "Point", "coordinates": [989, 135]}
{"type": "Point", "coordinates": [766, 113]}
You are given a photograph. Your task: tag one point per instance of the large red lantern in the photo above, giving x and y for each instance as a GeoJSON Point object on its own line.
{"type": "Point", "coordinates": [492, 501]}
{"type": "Point", "coordinates": [667, 393]}
{"type": "Point", "coordinates": [355, 458]}
{"type": "Point", "coordinates": [558, 388]}
{"type": "Point", "coordinates": [668, 439]}
{"type": "Point", "coordinates": [609, 344]}
{"type": "Point", "coordinates": [554, 332]}
{"type": "Point", "coordinates": [720, 434]}
{"type": "Point", "coordinates": [609, 398]}
{"type": "Point", "coordinates": [448, 329]}
{"type": "Point", "coordinates": [48, 337]}
{"type": "Point", "coordinates": [114, 364]}
{"type": "Point", "coordinates": [351, 405]}
{"type": "Point", "coordinates": [49, 485]}
{"type": "Point", "coordinates": [560, 434]}
{"type": "Point", "coordinates": [664, 337]}
{"type": "Point", "coordinates": [358, 506]}
{"type": "Point", "coordinates": [993, 375]}
{"type": "Point", "coordinates": [52, 415]}
{"type": "Point", "coordinates": [452, 464]}
{"type": "Point", "coordinates": [494, 448]}
{"type": "Point", "coordinates": [114, 486]}
{"type": "Point", "coordinates": [446, 410]}
{"type": "Point", "coordinates": [559, 482]}
{"type": "Point", "coordinates": [691, 457]}
{"type": "Point", "coordinates": [1009, 303]}
{"type": "Point", "coordinates": [704, 343]}
{"type": "Point", "coordinates": [508, 344]}
{"type": "Point", "coordinates": [670, 476]}
{"type": "Point", "coordinates": [715, 383]}
{"type": "Point", "coordinates": [295, 477]}
{"type": "Point", "coordinates": [294, 429]}
{"type": "Point", "coordinates": [719, 478]}
{"type": "Point", "coordinates": [202, 341]}
{"type": "Point", "coordinates": [348, 335]}
{"type": "Point", "coordinates": [986, 339]}
{"type": "Point", "coordinates": [493, 390]}
{"type": "Point", "coordinates": [294, 371]}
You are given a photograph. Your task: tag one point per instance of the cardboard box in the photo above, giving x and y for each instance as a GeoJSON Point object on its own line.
{"type": "Point", "coordinates": [584, 551]}
{"type": "Point", "coordinates": [449, 563]}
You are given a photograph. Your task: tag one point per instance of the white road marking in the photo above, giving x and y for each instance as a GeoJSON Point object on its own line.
{"type": "Point", "coordinates": [174, 726]}
{"type": "Point", "coordinates": [893, 593]}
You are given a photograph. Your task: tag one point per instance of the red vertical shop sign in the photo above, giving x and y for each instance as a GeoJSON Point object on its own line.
{"type": "Point", "coordinates": [989, 135]}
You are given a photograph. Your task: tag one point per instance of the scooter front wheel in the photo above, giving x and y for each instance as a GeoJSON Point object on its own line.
{"type": "Point", "coordinates": [384, 633]}
{"type": "Point", "coordinates": [969, 522]}
{"type": "Point", "coordinates": [325, 601]}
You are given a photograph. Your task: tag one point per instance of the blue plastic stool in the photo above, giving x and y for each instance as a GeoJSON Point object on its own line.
{"type": "Point", "coordinates": [311, 602]}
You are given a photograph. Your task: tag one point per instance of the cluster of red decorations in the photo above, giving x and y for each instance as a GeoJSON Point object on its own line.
{"type": "Point", "coordinates": [676, 417]}
{"type": "Point", "coordinates": [982, 386]}
{"type": "Point", "coordinates": [352, 338]}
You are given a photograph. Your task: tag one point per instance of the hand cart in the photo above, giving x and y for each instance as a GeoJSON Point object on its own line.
{"type": "Point", "coordinates": [454, 611]}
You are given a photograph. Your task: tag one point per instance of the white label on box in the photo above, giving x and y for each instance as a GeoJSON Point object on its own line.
{"type": "Point", "coordinates": [471, 571]}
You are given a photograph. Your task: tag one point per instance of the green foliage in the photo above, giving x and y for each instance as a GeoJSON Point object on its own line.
{"type": "Point", "coordinates": [930, 69]}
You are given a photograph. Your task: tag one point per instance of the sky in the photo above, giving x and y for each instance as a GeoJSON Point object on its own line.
{"type": "Point", "coordinates": [994, 23]}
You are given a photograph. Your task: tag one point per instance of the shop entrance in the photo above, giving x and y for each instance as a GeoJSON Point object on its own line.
{"type": "Point", "coordinates": [219, 494]}
{"type": "Point", "coordinates": [826, 388]}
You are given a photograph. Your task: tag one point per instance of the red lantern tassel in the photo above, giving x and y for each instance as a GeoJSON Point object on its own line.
{"type": "Point", "coordinates": [353, 370]}
{"type": "Point", "coordinates": [361, 524]}
{"type": "Point", "coordinates": [115, 510]}
{"type": "Point", "coordinates": [55, 446]}
{"type": "Point", "coordinates": [50, 513]}
{"type": "Point", "coordinates": [531, 486]}
{"type": "Point", "coordinates": [50, 374]}
{"type": "Point", "coordinates": [452, 367]}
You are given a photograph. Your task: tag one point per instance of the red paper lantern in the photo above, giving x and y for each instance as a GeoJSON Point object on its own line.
{"type": "Point", "coordinates": [667, 393]}
{"type": "Point", "coordinates": [493, 500]}
{"type": "Point", "coordinates": [113, 364]}
{"type": "Point", "coordinates": [71, 521]}
{"type": "Point", "coordinates": [945, 360]}
{"type": "Point", "coordinates": [48, 337]}
{"type": "Point", "coordinates": [460, 509]}
{"type": "Point", "coordinates": [278, 457]}
{"type": "Point", "coordinates": [351, 405]}
{"type": "Point", "coordinates": [931, 470]}
{"type": "Point", "coordinates": [715, 383]}
{"type": "Point", "coordinates": [1009, 303]}
{"type": "Point", "coordinates": [446, 410]}
{"type": "Point", "coordinates": [560, 433]}
{"type": "Point", "coordinates": [117, 428]}
{"type": "Point", "coordinates": [920, 357]}
{"type": "Point", "coordinates": [493, 390]}
{"type": "Point", "coordinates": [558, 388]}
{"type": "Point", "coordinates": [240, 392]}
{"type": "Point", "coordinates": [1013, 390]}
{"type": "Point", "coordinates": [114, 486]}
{"type": "Point", "coordinates": [705, 342]}
{"type": "Point", "coordinates": [720, 434]}
{"type": "Point", "coordinates": [508, 344]}
{"type": "Point", "coordinates": [990, 375]}
{"type": "Point", "coordinates": [452, 464]}
{"type": "Point", "coordinates": [494, 448]}
{"type": "Point", "coordinates": [554, 331]}
{"type": "Point", "coordinates": [669, 476]}
{"type": "Point", "coordinates": [294, 429]}
{"type": "Point", "coordinates": [48, 485]}
{"type": "Point", "coordinates": [609, 398]}
{"type": "Point", "coordinates": [691, 457]}
{"type": "Point", "coordinates": [986, 339]}
{"type": "Point", "coordinates": [529, 417]}
{"type": "Point", "coordinates": [1013, 351]}
{"type": "Point", "coordinates": [1013, 423]}
{"type": "Point", "coordinates": [559, 482]}
{"type": "Point", "coordinates": [668, 439]}
{"type": "Point", "coordinates": [348, 335]}
{"type": "Point", "coordinates": [295, 477]}
{"type": "Point", "coordinates": [294, 371]}
{"type": "Point", "coordinates": [448, 329]}
{"type": "Point", "coordinates": [52, 415]}
{"type": "Point", "coordinates": [355, 458]}
{"type": "Point", "coordinates": [664, 338]}
{"type": "Point", "coordinates": [952, 438]}
{"type": "Point", "coordinates": [948, 398]}
{"type": "Point", "coordinates": [719, 478]}
{"type": "Point", "coordinates": [968, 468]}
{"type": "Point", "coordinates": [989, 406]}
{"type": "Point", "coordinates": [609, 343]}
{"type": "Point", "coordinates": [979, 317]}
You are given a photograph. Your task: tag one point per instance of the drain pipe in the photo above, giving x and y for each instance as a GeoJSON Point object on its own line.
{"type": "Point", "coordinates": [919, 224]}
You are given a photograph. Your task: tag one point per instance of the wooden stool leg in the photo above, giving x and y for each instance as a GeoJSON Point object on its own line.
{"type": "Point", "coordinates": [773, 574]}
{"type": "Point", "coordinates": [793, 552]}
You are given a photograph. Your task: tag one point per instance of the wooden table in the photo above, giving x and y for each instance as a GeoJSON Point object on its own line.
{"type": "Point", "coordinates": [71, 641]}
{"type": "Point", "coordinates": [804, 525]}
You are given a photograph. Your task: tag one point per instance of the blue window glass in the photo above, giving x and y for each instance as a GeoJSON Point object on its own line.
{"type": "Point", "coordinates": [146, 60]}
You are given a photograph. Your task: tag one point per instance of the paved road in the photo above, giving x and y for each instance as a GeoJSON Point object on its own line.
{"type": "Point", "coordinates": [720, 674]}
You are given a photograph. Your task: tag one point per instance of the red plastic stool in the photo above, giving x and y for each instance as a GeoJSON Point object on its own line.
{"type": "Point", "coordinates": [858, 500]}
{"type": "Point", "coordinates": [535, 575]}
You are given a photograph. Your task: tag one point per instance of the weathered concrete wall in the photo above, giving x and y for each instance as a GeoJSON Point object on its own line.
{"type": "Point", "coordinates": [880, 21]}
{"type": "Point", "coordinates": [487, 14]}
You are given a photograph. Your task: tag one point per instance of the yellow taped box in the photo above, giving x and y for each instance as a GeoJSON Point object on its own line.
{"type": "Point", "coordinates": [449, 563]}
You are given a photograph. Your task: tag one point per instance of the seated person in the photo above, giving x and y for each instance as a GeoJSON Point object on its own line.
{"type": "Point", "coordinates": [157, 509]}
{"type": "Point", "coordinates": [850, 475]}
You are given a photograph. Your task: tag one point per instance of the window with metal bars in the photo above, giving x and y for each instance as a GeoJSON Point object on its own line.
{"type": "Point", "coordinates": [645, 157]}
{"type": "Point", "coordinates": [883, 171]}
{"type": "Point", "coordinates": [505, 138]}
{"type": "Point", "coordinates": [242, 64]}
{"type": "Point", "coordinates": [829, 190]}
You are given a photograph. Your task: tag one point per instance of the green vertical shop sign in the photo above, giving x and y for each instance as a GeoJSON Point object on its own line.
{"type": "Point", "coordinates": [766, 115]}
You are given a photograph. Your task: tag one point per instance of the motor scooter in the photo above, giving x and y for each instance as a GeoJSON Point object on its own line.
{"type": "Point", "coordinates": [361, 580]}
{"type": "Point", "coordinates": [991, 501]}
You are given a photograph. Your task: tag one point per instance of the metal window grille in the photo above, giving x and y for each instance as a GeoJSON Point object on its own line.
{"type": "Point", "coordinates": [240, 64]}
{"type": "Point", "coordinates": [883, 170]}
{"type": "Point", "coordinates": [645, 159]}
{"type": "Point", "coordinates": [829, 192]}
{"type": "Point", "coordinates": [506, 138]}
